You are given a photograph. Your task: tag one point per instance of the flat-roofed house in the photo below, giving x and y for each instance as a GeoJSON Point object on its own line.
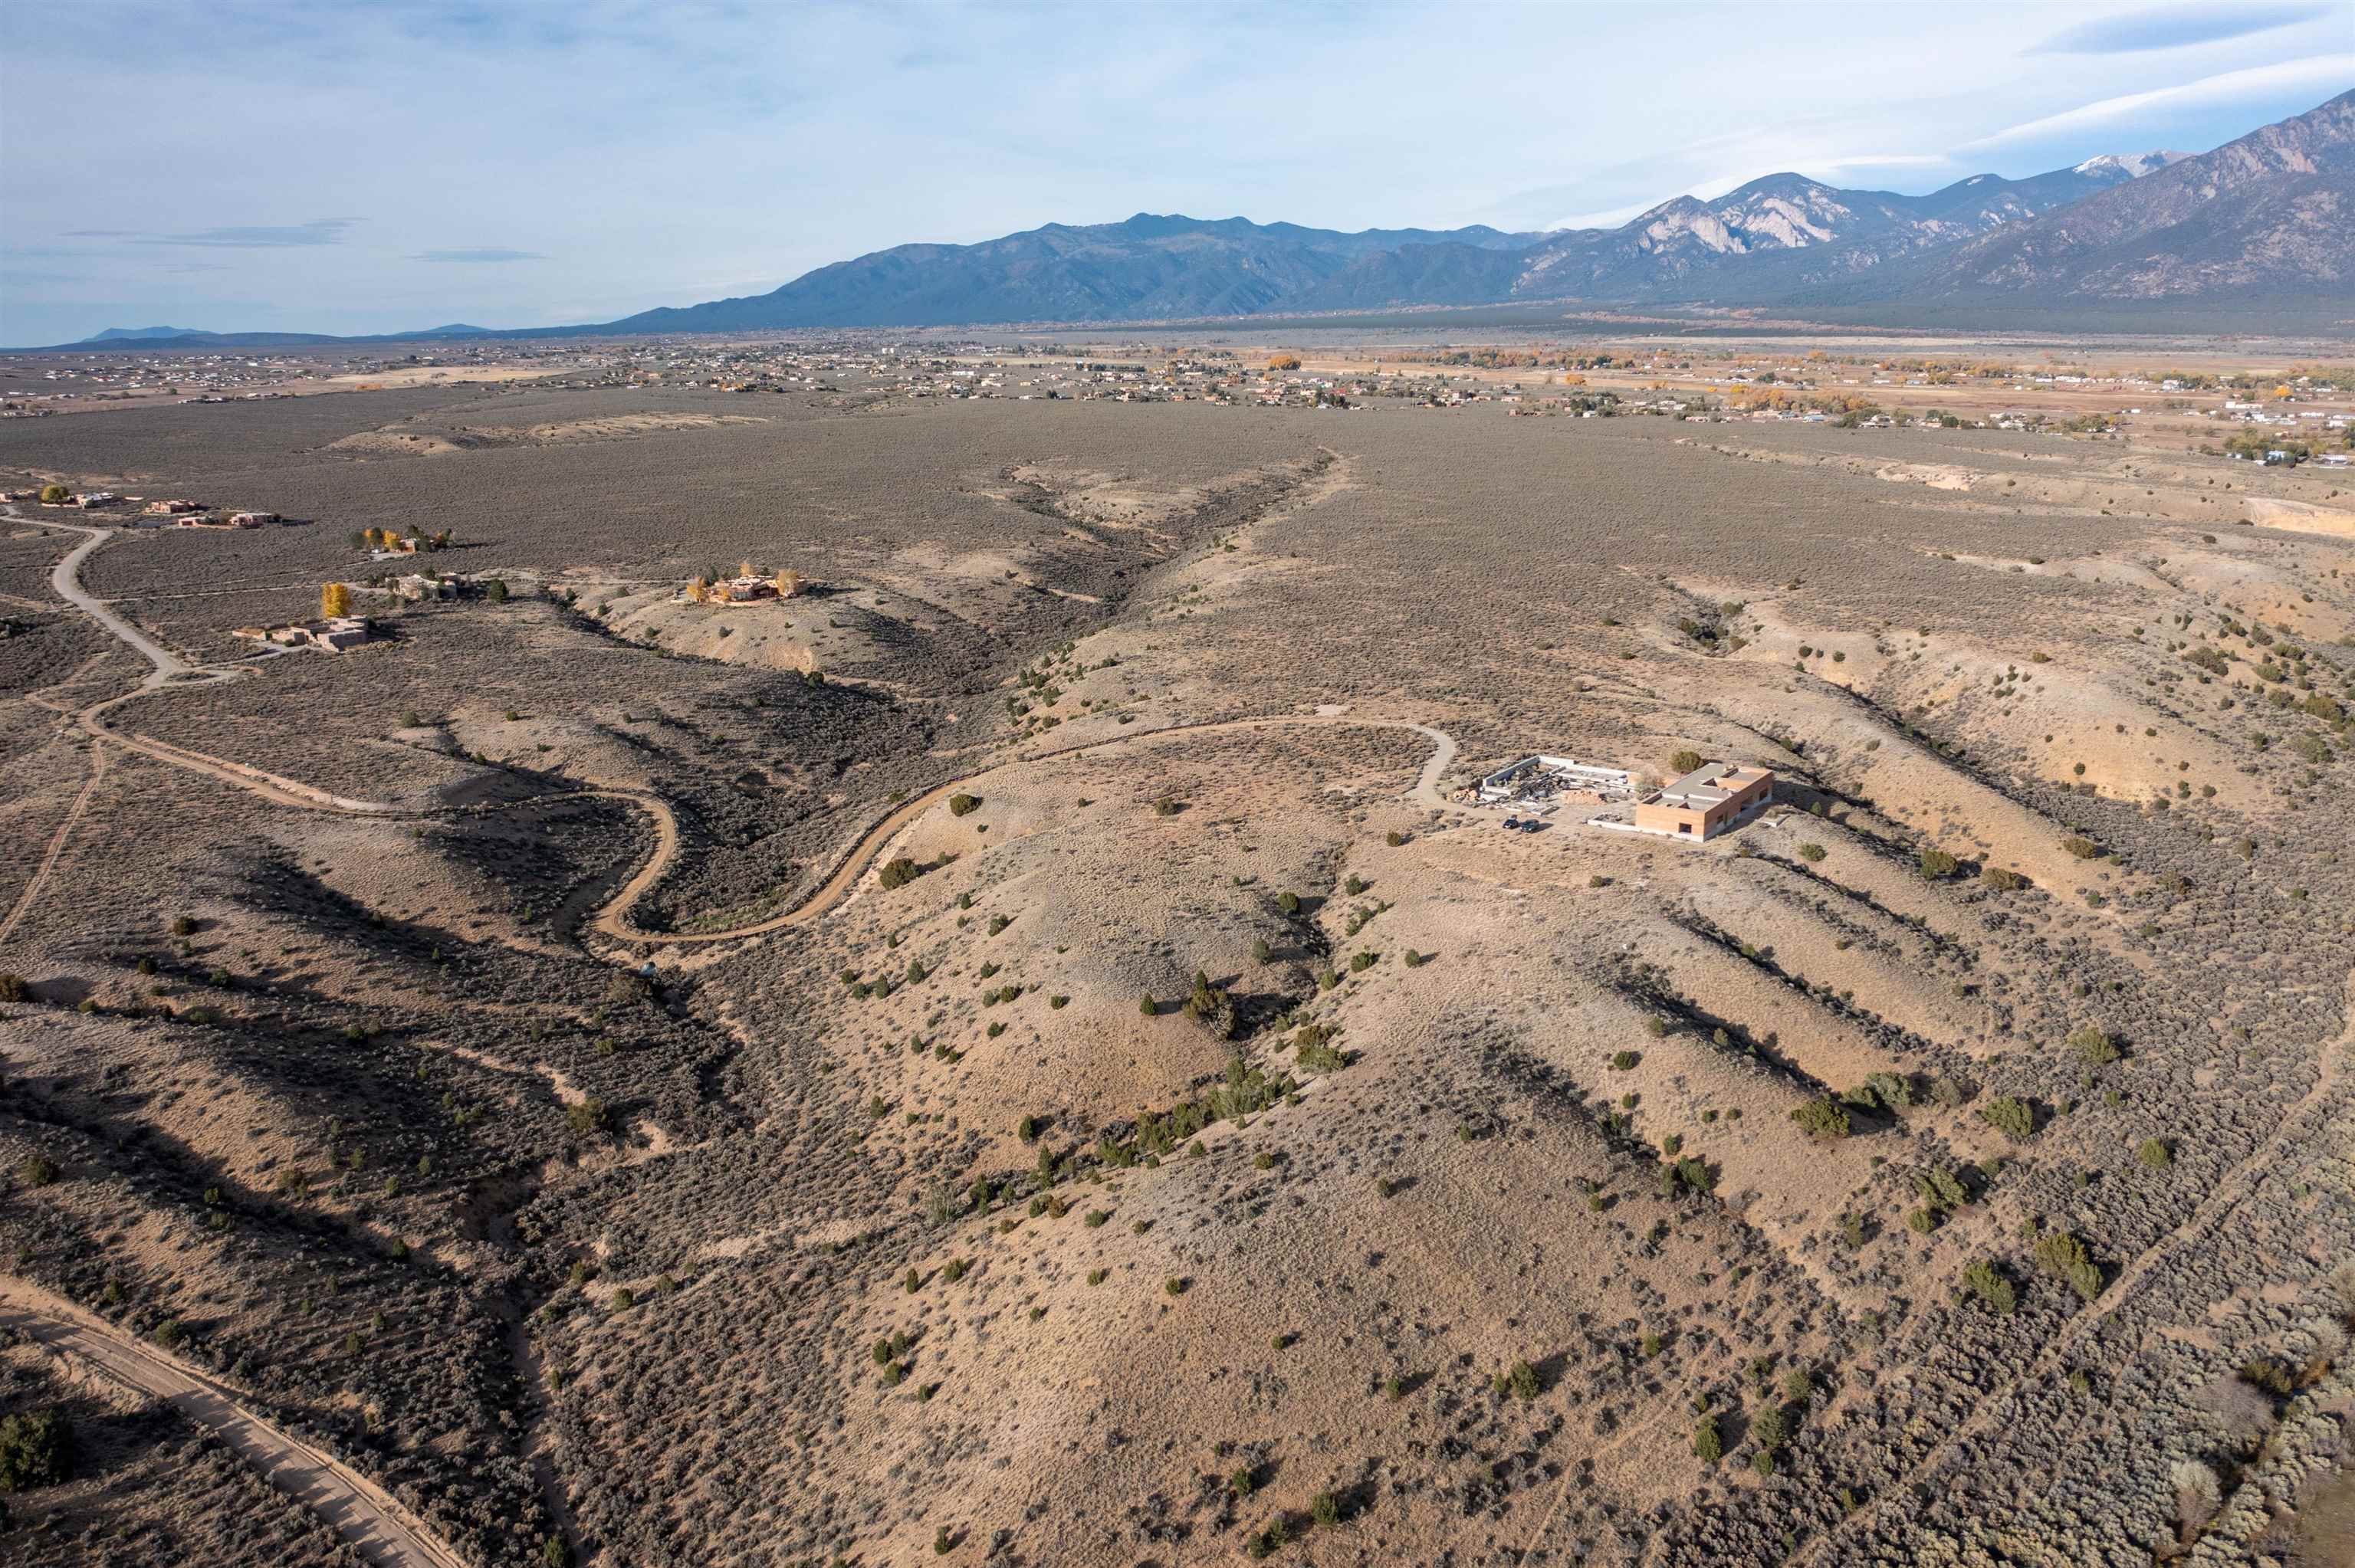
{"type": "Point", "coordinates": [1708, 800]}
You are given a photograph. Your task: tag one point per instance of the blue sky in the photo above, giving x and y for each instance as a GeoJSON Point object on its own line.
{"type": "Point", "coordinates": [370, 167]}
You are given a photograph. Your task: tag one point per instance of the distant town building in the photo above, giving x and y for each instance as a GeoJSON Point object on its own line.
{"type": "Point", "coordinates": [329, 635]}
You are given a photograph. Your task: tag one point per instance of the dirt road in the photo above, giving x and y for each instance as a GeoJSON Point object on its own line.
{"type": "Point", "coordinates": [613, 919]}
{"type": "Point", "coordinates": [363, 1513]}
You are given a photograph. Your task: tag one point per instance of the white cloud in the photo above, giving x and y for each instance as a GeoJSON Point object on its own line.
{"type": "Point", "coordinates": [2321, 73]}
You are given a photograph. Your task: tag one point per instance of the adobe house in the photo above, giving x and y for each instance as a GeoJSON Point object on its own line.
{"type": "Point", "coordinates": [1706, 801]}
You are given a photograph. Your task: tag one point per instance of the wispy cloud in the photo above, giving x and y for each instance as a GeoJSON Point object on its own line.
{"type": "Point", "coordinates": [485, 254]}
{"type": "Point", "coordinates": [2319, 73]}
{"type": "Point", "coordinates": [257, 237]}
{"type": "Point", "coordinates": [2172, 26]}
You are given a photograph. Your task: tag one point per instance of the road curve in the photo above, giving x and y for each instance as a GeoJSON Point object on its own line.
{"type": "Point", "coordinates": [613, 919]}
{"type": "Point", "coordinates": [363, 1513]}
{"type": "Point", "coordinates": [67, 579]}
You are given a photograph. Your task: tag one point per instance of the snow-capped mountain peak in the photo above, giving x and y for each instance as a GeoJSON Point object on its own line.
{"type": "Point", "coordinates": [2133, 166]}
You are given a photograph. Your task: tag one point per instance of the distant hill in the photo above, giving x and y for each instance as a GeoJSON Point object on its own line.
{"type": "Point", "coordinates": [189, 337]}
{"type": "Point", "coordinates": [2272, 213]}
{"type": "Point", "coordinates": [1149, 267]}
{"type": "Point", "coordinates": [2265, 223]}
{"type": "Point", "coordinates": [112, 335]}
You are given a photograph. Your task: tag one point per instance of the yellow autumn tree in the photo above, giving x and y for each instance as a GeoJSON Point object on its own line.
{"type": "Point", "coordinates": [789, 583]}
{"type": "Point", "coordinates": [1284, 362]}
{"type": "Point", "coordinates": [695, 586]}
{"type": "Point", "coordinates": [334, 600]}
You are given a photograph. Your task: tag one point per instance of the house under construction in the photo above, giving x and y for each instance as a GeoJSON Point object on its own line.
{"type": "Point", "coordinates": [1535, 780]}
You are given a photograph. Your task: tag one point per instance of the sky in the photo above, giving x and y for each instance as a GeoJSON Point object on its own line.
{"type": "Point", "coordinates": [362, 167]}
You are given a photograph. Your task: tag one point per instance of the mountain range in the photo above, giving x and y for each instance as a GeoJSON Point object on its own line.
{"type": "Point", "coordinates": [2268, 218]}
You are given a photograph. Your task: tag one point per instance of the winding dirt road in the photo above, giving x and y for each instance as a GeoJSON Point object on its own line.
{"type": "Point", "coordinates": [363, 1513]}
{"type": "Point", "coordinates": [613, 919]}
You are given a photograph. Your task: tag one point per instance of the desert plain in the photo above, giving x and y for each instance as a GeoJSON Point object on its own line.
{"type": "Point", "coordinates": [1016, 1050]}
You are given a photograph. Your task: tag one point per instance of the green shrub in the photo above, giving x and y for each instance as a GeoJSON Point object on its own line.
{"type": "Point", "coordinates": [1325, 1510]}
{"type": "Point", "coordinates": [1520, 1381]}
{"type": "Point", "coordinates": [2093, 1047]}
{"type": "Point", "coordinates": [899, 871]}
{"type": "Point", "coordinates": [2063, 1253]}
{"type": "Point", "coordinates": [1148, 1007]}
{"type": "Point", "coordinates": [36, 1449]}
{"type": "Point", "coordinates": [1937, 864]}
{"type": "Point", "coordinates": [1684, 760]}
{"type": "Point", "coordinates": [963, 805]}
{"type": "Point", "coordinates": [1288, 902]}
{"type": "Point", "coordinates": [2015, 1118]}
{"type": "Point", "coordinates": [1624, 1060]}
{"type": "Point", "coordinates": [1822, 1118]}
{"type": "Point", "coordinates": [1990, 1286]}
{"type": "Point", "coordinates": [2154, 1152]}
{"type": "Point", "coordinates": [2083, 848]}
{"type": "Point", "coordinates": [1708, 1443]}
{"type": "Point", "coordinates": [37, 1171]}
{"type": "Point", "coordinates": [1811, 853]}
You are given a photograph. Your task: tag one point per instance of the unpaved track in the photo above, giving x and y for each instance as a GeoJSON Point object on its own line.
{"type": "Point", "coordinates": [57, 848]}
{"type": "Point", "coordinates": [363, 1513]}
{"type": "Point", "coordinates": [2314, 1113]}
{"type": "Point", "coordinates": [613, 919]}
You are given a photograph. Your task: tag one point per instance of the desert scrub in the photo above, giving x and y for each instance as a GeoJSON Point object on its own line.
{"type": "Point", "coordinates": [2061, 1253]}
{"type": "Point", "coordinates": [963, 805]}
{"type": "Point", "coordinates": [1822, 1118]}
{"type": "Point", "coordinates": [2015, 1118]}
{"type": "Point", "coordinates": [2093, 1047]}
{"type": "Point", "coordinates": [36, 1449]}
{"type": "Point", "coordinates": [1936, 864]}
{"type": "Point", "coordinates": [1318, 1053]}
{"type": "Point", "coordinates": [1708, 1441]}
{"type": "Point", "coordinates": [1988, 1283]}
{"type": "Point", "coordinates": [1519, 1381]}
